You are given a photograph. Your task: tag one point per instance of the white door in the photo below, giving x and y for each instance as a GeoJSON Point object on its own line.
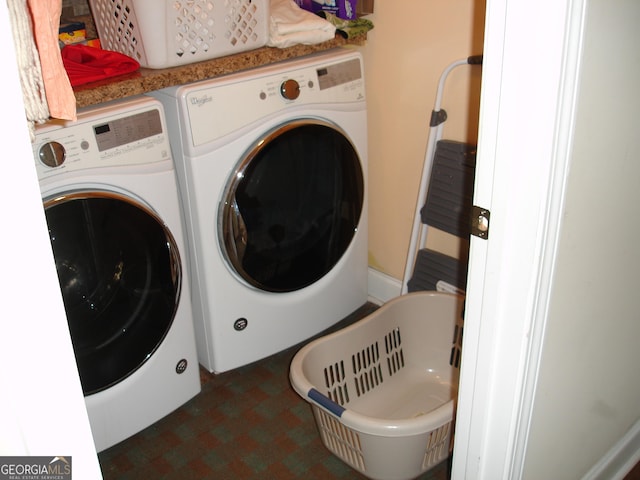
{"type": "Point", "coordinates": [42, 410]}
{"type": "Point", "coordinates": [531, 81]}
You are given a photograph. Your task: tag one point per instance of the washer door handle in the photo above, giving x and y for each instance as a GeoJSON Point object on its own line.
{"type": "Point", "coordinates": [235, 234]}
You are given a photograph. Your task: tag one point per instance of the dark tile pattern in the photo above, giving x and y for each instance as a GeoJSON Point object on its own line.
{"type": "Point", "coordinates": [246, 424]}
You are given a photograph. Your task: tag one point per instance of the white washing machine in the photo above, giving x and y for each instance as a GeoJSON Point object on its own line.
{"type": "Point", "coordinates": [112, 207]}
{"type": "Point", "coordinates": [272, 165]}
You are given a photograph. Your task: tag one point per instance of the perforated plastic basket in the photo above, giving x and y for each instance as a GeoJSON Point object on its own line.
{"type": "Point", "coordinates": [383, 390]}
{"type": "Point", "coordinates": [168, 33]}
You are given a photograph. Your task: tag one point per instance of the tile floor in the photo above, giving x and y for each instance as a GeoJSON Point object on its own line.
{"type": "Point", "coordinates": [246, 424]}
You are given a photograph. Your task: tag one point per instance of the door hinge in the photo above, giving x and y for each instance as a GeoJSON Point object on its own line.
{"type": "Point", "coordinates": [480, 222]}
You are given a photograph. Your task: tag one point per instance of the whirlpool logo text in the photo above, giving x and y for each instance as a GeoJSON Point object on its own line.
{"type": "Point", "coordinates": [200, 101]}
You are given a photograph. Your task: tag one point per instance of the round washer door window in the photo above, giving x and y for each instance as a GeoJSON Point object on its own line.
{"type": "Point", "coordinates": [120, 276]}
{"type": "Point", "coordinates": [292, 206]}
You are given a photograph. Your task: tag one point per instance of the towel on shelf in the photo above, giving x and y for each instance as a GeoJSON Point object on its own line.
{"type": "Point", "coordinates": [46, 23]}
{"type": "Point", "coordinates": [33, 94]}
{"type": "Point", "coordinates": [348, 28]}
{"type": "Point", "coordinates": [291, 25]}
{"type": "Point", "coordinates": [86, 64]}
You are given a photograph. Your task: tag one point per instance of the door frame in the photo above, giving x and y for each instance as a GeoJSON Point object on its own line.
{"type": "Point", "coordinates": [526, 120]}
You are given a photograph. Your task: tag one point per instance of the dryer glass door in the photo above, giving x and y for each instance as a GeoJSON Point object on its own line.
{"type": "Point", "coordinates": [292, 206]}
{"type": "Point", "coordinates": [120, 275]}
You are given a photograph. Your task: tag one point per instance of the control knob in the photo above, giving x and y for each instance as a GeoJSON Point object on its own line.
{"type": "Point", "coordinates": [52, 154]}
{"type": "Point", "coordinates": [290, 89]}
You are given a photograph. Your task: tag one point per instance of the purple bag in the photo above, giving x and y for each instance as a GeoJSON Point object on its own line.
{"type": "Point", "coordinates": [345, 9]}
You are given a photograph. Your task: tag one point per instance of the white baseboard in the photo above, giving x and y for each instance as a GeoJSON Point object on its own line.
{"type": "Point", "coordinates": [382, 287]}
{"type": "Point", "coordinates": [618, 461]}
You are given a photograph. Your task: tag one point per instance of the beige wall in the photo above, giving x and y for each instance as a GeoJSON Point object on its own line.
{"type": "Point", "coordinates": [412, 43]}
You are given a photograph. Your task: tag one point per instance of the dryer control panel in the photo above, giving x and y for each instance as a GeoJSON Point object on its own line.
{"type": "Point", "coordinates": [218, 107]}
{"type": "Point", "coordinates": [104, 138]}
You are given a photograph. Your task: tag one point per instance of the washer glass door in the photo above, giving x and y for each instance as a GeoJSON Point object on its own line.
{"type": "Point", "coordinates": [292, 206]}
{"type": "Point", "coordinates": [119, 271]}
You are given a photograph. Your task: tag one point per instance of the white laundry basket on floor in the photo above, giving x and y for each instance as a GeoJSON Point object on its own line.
{"type": "Point", "coordinates": [168, 33]}
{"type": "Point", "coordinates": [383, 390]}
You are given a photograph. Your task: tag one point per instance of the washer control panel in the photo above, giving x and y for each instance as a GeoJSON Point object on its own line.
{"type": "Point", "coordinates": [124, 138]}
{"type": "Point", "coordinates": [218, 107]}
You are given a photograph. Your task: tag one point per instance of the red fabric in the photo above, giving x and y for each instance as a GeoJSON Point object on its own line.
{"type": "Point", "coordinates": [89, 64]}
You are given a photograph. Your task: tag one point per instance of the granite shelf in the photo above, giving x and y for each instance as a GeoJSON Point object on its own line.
{"type": "Point", "coordinates": [147, 80]}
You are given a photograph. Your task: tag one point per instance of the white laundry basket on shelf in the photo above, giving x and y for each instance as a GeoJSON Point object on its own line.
{"type": "Point", "coordinates": [383, 390]}
{"type": "Point", "coordinates": [169, 33]}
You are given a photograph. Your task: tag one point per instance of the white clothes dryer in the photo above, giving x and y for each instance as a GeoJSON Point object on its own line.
{"type": "Point", "coordinates": [112, 207]}
{"type": "Point", "coordinates": [272, 165]}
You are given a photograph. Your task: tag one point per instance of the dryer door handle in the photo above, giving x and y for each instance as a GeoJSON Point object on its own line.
{"type": "Point", "coordinates": [235, 234]}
